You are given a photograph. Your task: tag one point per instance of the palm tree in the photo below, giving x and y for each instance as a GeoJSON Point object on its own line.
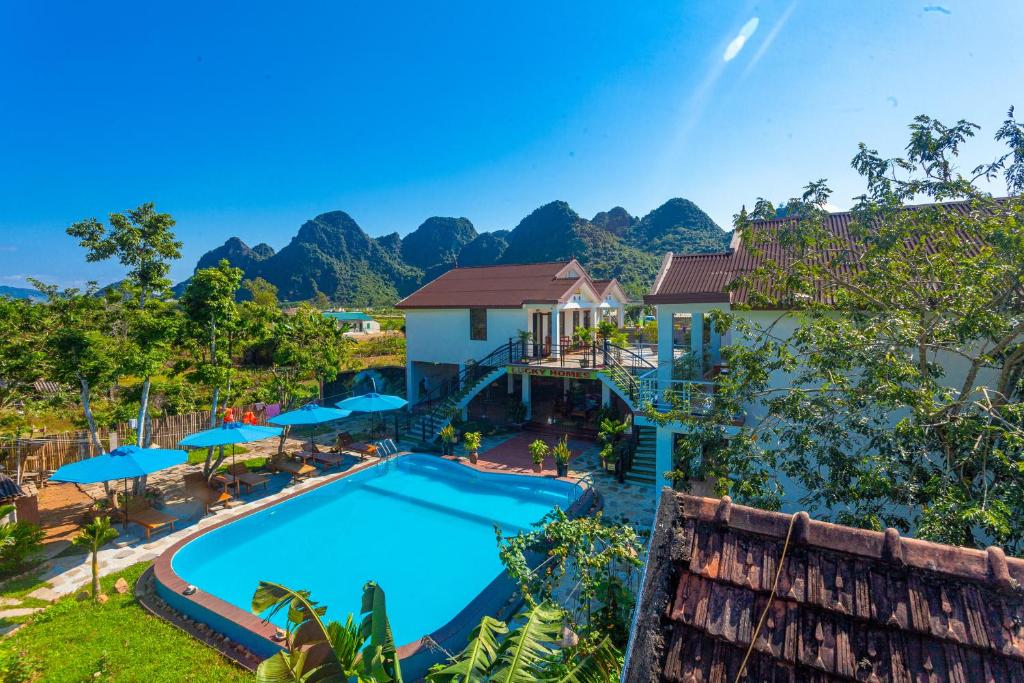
{"type": "Point", "coordinates": [92, 537]}
{"type": "Point", "coordinates": [531, 652]}
{"type": "Point", "coordinates": [328, 652]}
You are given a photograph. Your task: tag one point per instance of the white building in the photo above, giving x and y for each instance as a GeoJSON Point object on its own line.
{"type": "Point", "coordinates": [356, 322]}
{"type": "Point", "coordinates": [467, 314]}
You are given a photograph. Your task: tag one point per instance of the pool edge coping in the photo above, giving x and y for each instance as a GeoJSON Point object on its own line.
{"type": "Point", "coordinates": [165, 576]}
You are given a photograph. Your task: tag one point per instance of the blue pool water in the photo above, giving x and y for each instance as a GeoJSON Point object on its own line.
{"type": "Point", "coordinates": [422, 527]}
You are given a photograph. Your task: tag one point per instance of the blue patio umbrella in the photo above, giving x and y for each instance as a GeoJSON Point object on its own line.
{"type": "Point", "coordinates": [126, 462]}
{"type": "Point", "coordinates": [229, 433]}
{"type": "Point", "coordinates": [372, 403]}
{"type": "Point", "coordinates": [309, 414]}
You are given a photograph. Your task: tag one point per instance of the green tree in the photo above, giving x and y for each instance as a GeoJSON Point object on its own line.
{"type": "Point", "coordinates": [21, 356]}
{"type": "Point", "coordinates": [328, 652]}
{"type": "Point", "coordinates": [92, 537]}
{"type": "Point", "coordinates": [587, 556]}
{"type": "Point", "coordinates": [79, 349]}
{"type": "Point", "coordinates": [262, 292]}
{"type": "Point", "coordinates": [143, 241]}
{"type": "Point", "coordinates": [311, 343]}
{"type": "Point", "coordinates": [873, 420]}
{"type": "Point", "coordinates": [211, 310]}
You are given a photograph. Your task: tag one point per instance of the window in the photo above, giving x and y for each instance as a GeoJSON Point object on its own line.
{"type": "Point", "coordinates": [478, 324]}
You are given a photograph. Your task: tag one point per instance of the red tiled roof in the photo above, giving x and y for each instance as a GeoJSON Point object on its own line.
{"type": "Point", "coordinates": [704, 278]}
{"type": "Point", "coordinates": [851, 604]}
{"type": "Point", "coordinates": [508, 286]}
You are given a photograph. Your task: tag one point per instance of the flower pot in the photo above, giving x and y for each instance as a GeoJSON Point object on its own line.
{"type": "Point", "coordinates": [538, 467]}
{"type": "Point", "coordinates": [563, 468]}
{"type": "Point", "coordinates": [473, 457]}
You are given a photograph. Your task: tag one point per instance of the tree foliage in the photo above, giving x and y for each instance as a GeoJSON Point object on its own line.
{"type": "Point", "coordinates": [901, 399]}
{"type": "Point", "coordinates": [328, 652]}
{"type": "Point", "coordinates": [534, 650]}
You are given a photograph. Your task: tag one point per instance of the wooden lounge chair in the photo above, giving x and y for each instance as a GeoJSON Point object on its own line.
{"type": "Point", "coordinates": [346, 443]}
{"type": "Point", "coordinates": [298, 470]}
{"type": "Point", "coordinates": [246, 478]}
{"type": "Point", "coordinates": [149, 519]}
{"type": "Point", "coordinates": [329, 460]}
{"type": "Point", "coordinates": [199, 488]}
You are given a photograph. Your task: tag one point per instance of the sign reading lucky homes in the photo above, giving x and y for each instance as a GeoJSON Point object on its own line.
{"type": "Point", "coordinates": [544, 371]}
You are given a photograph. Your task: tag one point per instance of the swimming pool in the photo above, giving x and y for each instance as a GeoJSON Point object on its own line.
{"type": "Point", "coordinates": [421, 526]}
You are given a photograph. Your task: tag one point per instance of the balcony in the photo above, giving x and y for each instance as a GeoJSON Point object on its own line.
{"type": "Point", "coordinates": [694, 397]}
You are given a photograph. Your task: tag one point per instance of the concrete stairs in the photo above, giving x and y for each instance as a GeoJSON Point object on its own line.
{"type": "Point", "coordinates": [644, 470]}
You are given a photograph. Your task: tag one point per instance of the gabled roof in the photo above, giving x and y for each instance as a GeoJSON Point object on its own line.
{"type": "Point", "coordinates": [613, 286]}
{"type": "Point", "coordinates": [347, 315]}
{"type": "Point", "coordinates": [704, 278]}
{"type": "Point", "coordinates": [507, 286]}
{"type": "Point", "coordinates": [850, 604]}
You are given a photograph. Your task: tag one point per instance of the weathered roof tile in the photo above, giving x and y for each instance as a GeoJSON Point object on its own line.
{"type": "Point", "coordinates": [851, 605]}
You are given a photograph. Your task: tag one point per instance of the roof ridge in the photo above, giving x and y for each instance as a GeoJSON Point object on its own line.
{"type": "Point", "coordinates": [564, 262]}
{"type": "Point", "coordinates": [990, 566]}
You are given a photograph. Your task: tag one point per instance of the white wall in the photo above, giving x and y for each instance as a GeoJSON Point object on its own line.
{"type": "Point", "coordinates": [441, 335]}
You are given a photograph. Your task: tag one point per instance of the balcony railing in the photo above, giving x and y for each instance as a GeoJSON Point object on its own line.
{"type": "Point", "coordinates": [694, 397]}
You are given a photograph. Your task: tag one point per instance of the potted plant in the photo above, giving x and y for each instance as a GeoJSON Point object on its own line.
{"type": "Point", "coordinates": [562, 454]}
{"type": "Point", "coordinates": [538, 451]}
{"type": "Point", "coordinates": [448, 438]}
{"type": "Point", "coordinates": [517, 414]}
{"type": "Point", "coordinates": [525, 336]}
{"type": "Point", "coordinates": [471, 440]}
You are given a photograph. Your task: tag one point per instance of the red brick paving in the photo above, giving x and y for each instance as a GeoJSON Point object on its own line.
{"type": "Point", "coordinates": [513, 455]}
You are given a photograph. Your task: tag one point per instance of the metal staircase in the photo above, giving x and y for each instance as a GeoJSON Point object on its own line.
{"type": "Point", "coordinates": [436, 411]}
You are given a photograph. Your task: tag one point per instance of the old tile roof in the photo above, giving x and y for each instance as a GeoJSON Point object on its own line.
{"type": "Point", "coordinates": [850, 605]}
{"type": "Point", "coordinates": [704, 278]}
{"type": "Point", "coordinates": [507, 286]}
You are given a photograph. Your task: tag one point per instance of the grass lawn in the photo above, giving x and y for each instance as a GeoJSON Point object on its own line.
{"type": "Point", "coordinates": [198, 455]}
{"type": "Point", "coordinates": [76, 641]}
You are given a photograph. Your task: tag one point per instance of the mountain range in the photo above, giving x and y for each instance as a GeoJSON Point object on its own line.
{"type": "Point", "coordinates": [21, 293]}
{"type": "Point", "coordinates": [334, 255]}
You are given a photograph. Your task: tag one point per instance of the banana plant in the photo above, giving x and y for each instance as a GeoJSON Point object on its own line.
{"type": "Point", "coordinates": [328, 652]}
{"type": "Point", "coordinates": [530, 652]}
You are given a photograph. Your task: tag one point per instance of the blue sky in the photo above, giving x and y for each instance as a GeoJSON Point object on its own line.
{"type": "Point", "coordinates": [249, 118]}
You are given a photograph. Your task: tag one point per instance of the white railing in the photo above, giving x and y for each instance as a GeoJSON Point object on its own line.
{"type": "Point", "coordinates": [695, 397]}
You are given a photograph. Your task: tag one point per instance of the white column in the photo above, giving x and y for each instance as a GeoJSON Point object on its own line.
{"type": "Point", "coordinates": [556, 330]}
{"type": "Point", "coordinates": [621, 315]}
{"type": "Point", "coordinates": [697, 337]}
{"type": "Point", "coordinates": [663, 443]}
{"type": "Point", "coordinates": [526, 397]}
{"type": "Point", "coordinates": [412, 388]}
{"type": "Point", "coordinates": [606, 396]}
{"type": "Point", "coordinates": [716, 345]}
{"type": "Point", "coordinates": [464, 411]}
{"type": "Point", "coordinates": [664, 317]}
{"type": "Point", "coordinates": [511, 382]}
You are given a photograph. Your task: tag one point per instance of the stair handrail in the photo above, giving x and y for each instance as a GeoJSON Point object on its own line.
{"type": "Point", "coordinates": [466, 377]}
{"type": "Point", "coordinates": [637, 363]}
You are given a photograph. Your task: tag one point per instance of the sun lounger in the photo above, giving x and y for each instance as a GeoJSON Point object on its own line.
{"type": "Point", "coordinates": [346, 443]}
{"type": "Point", "coordinates": [246, 478]}
{"type": "Point", "coordinates": [298, 470]}
{"type": "Point", "coordinates": [149, 519]}
{"type": "Point", "coordinates": [329, 460]}
{"type": "Point", "coordinates": [198, 488]}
